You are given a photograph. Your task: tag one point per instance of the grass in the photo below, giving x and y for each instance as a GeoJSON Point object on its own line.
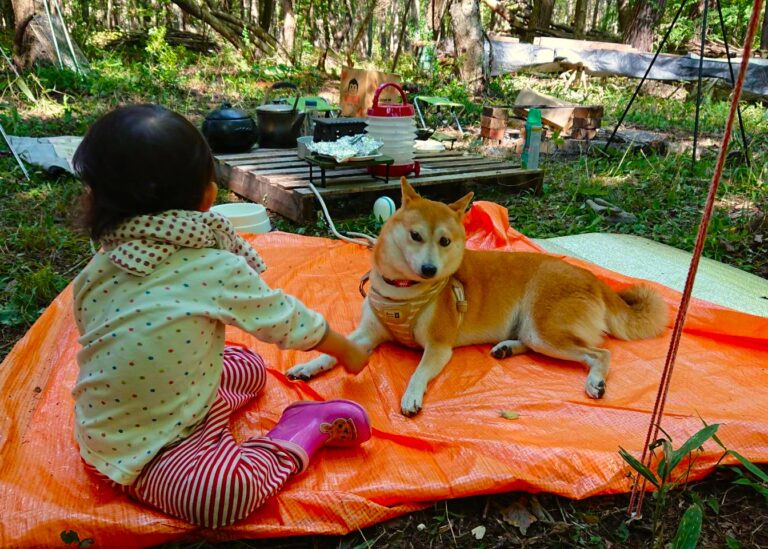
{"type": "Point", "coordinates": [41, 250]}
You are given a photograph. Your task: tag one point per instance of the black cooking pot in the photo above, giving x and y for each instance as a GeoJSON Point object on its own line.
{"type": "Point", "coordinates": [279, 123]}
{"type": "Point", "coordinates": [229, 130]}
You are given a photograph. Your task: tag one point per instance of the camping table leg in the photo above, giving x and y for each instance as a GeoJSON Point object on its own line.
{"type": "Point", "coordinates": [312, 174]}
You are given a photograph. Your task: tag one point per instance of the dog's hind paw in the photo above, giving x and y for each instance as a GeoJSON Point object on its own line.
{"type": "Point", "coordinates": [595, 388]}
{"type": "Point", "coordinates": [508, 348]}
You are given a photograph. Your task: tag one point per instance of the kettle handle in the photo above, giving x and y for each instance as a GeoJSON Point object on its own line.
{"type": "Point", "coordinates": [282, 85]}
{"type": "Point", "coordinates": [382, 87]}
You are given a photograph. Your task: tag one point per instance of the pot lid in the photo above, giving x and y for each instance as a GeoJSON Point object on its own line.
{"type": "Point", "coordinates": [227, 112]}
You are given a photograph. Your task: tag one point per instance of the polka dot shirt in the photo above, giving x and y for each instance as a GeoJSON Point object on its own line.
{"type": "Point", "coordinates": [152, 348]}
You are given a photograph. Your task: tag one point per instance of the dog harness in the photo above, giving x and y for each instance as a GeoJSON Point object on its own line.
{"type": "Point", "coordinates": [399, 315]}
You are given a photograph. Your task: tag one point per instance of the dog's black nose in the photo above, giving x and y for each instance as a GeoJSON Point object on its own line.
{"type": "Point", "coordinates": [428, 270]}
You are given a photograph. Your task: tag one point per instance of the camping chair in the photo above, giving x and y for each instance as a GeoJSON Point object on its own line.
{"type": "Point", "coordinates": [422, 102]}
{"type": "Point", "coordinates": [321, 106]}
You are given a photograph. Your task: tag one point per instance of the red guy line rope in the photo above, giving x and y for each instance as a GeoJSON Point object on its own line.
{"type": "Point", "coordinates": [638, 489]}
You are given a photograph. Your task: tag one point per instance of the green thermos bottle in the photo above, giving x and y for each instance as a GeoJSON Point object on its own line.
{"type": "Point", "coordinates": [532, 145]}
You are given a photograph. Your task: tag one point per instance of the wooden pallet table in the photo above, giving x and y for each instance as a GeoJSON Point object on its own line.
{"type": "Point", "coordinates": [279, 180]}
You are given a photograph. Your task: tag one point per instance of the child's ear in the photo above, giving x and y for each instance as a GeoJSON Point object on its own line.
{"type": "Point", "coordinates": [209, 197]}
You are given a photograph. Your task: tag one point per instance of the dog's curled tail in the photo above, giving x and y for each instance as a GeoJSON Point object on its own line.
{"type": "Point", "coordinates": [636, 312]}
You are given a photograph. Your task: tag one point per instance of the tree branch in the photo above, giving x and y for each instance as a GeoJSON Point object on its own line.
{"type": "Point", "coordinates": [229, 27]}
{"type": "Point", "coordinates": [360, 31]}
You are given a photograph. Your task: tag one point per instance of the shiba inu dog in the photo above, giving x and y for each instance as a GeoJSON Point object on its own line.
{"type": "Point", "coordinates": [428, 292]}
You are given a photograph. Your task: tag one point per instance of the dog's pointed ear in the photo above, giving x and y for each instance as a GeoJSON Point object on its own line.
{"type": "Point", "coordinates": [408, 192]}
{"type": "Point", "coordinates": [460, 206]}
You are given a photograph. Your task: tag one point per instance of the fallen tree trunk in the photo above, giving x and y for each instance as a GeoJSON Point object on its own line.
{"type": "Point", "coordinates": [189, 40]}
{"type": "Point", "coordinates": [510, 57]}
{"type": "Point", "coordinates": [233, 29]}
{"type": "Point", "coordinates": [512, 16]}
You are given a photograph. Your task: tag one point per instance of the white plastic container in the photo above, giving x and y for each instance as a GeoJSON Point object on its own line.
{"type": "Point", "coordinates": [397, 134]}
{"type": "Point", "coordinates": [247, 217]}
{"type": "Point", "coordinates": [395, 126]}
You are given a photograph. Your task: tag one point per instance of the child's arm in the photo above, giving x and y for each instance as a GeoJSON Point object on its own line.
{"type": "Point", "coordinates": [274, 316]}
{"type": "Point", "coordinates": [350, 354]}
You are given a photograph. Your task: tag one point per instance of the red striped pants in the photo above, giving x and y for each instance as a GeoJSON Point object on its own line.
{"type": "Point", "coordinates": [207, 478]}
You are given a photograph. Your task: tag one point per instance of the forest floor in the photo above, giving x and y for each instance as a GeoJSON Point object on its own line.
{"type": "Point", "coordinates": [42, 249]}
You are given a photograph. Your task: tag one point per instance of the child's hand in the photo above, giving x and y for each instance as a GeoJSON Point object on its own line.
{"type": "Point", "coordinates": [350, 354]}
{"type": "Point", "coordinates": [355, 358]}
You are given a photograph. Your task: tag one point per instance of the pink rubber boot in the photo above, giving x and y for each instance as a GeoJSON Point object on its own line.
{"type": "Point", "coordinates": [307, 426]}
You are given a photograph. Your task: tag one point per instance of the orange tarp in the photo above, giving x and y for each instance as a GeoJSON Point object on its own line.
{"type": "Point", "coordinates": [563, 442]}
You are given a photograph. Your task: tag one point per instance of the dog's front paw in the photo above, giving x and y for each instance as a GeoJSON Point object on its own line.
{"type": "Point", "coordinates": [411, 403]}
{"type": "Point", "coordinates": [595, 387]}
{"type": "Point", "coordinates": [312, 368]}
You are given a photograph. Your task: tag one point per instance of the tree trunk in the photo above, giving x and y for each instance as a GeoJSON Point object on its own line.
{"type": "Point", "coordinates": [468, 40]}
{"type": "Point", "coordinates": [326, 36]}
{"type": "Point", "coordinates": [266, 9]}
{"type": "Point", "coordinates": [364, 24]}
{"type": "Point", "coordinates": [6, 8]}
{"type": "Point", "coordinates": [401, 37]}
{"type": "Point", "coordinates": [595, 10]}
{"type": "Point", "coordinates": [626, 11]}
{"type": "Point", "coordinates": [369, 46]}
{"type": "Point", "coordinates": [23, 11]}
{"type": "Point", "coordinates": [289, 26]}
{"type": "Point", "coordinates": [435, 12]}
{"type": "Point", "coordinates": [541, 17]}
{"type": "Point", "coordinates": [580, 18]}
{"type": "Point", "coordinates": [40, 39]}
{"type": "Point", "coordinates": [764, 32]}
{"type": "Point", "coordinates": [498, 8]}
{"type": "Point", "coordinates": [647, 14]}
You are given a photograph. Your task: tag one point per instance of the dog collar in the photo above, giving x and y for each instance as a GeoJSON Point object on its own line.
{"type": "Point", "coordinates": [398, 283]}
{"type": "Point", "coordinates": [401, 283]}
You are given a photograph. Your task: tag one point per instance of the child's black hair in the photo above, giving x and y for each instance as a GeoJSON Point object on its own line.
{"type": "Point", "coordinates": [141, 159]}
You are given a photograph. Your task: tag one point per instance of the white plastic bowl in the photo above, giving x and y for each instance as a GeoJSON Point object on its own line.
{"type": "Point", "coordinates": [245, 216]}
{"type": "Point", "coordinates": [261, 227]}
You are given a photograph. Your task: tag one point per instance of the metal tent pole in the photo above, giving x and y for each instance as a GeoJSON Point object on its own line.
{"type": "Point", "coordinates": [733, 82]}
{"type": "Point", "coordinates": [648, 70]}
{"type": "Point", "coordinates": [15, 155]}
{"type": "Point", "coordinates": [698, 89]}
{"type": "Point", "coordinates": [53, 34]}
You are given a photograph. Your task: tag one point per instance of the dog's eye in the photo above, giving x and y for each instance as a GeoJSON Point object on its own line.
{"type": "Point", "coordinates": [416, 236]}
{"type": "Point", "coordinates": [444, 242]}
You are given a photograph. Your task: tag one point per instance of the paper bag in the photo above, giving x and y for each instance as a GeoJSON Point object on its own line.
{"type": "Point", "coordinates": [358, 87]}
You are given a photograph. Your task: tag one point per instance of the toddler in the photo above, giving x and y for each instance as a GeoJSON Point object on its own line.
{"type": "Point", "coordinates": [157, 385]}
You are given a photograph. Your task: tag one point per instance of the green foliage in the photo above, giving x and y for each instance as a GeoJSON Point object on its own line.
{"type": "Point", "coordinates": [751, 475]}
{"type": "Point", "coordinates": [666, 478]}
{"type": "Point", "coordinates": [689, 529]}
{"type": "Point", "coordinates": [736, 15]}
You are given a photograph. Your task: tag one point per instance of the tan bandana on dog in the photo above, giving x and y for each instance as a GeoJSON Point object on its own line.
{"type": "Point", "coordinates": [142, 243]}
